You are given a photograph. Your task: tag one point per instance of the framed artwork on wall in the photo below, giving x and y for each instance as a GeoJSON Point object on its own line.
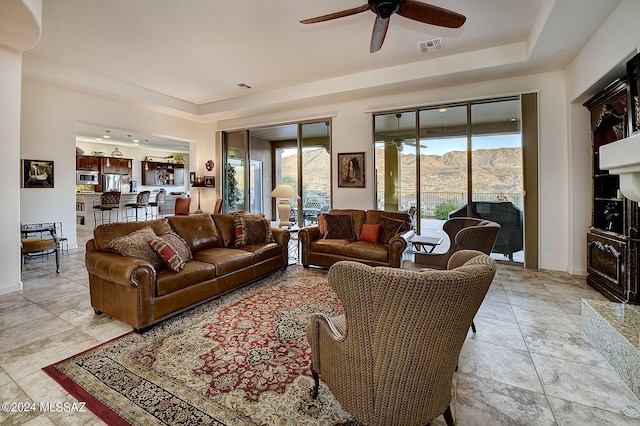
{"type": "Point", "coordinates": [192, 177]}
{"type": "Point", "coordinates": [37, 174]}
{"type": "Point", "coordinates": [210, 181]}
{"type": "Point", "coordinates": [351, 170]}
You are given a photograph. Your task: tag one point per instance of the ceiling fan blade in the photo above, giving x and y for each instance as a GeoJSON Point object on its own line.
{"type": "Point", "coordinates": [336, 15]}
{"type": "Point", "coordinates": [379, 33]}
{"type": "Point", "coordinates": [430, 14]}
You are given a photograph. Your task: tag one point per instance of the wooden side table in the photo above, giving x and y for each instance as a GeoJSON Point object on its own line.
{"type": "Point", "coordinates": [424, 244]}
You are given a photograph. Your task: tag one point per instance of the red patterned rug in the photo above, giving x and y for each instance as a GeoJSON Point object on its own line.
{"type": "Point", "coordinates": [241, 359]}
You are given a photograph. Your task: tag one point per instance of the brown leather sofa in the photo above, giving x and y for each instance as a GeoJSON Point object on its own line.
{"type": "Point", "coordinates": [131, 290]}
{"type": "Point", "coordinates": [318, 250]}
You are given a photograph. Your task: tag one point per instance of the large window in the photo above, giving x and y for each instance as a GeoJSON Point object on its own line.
{"type": "Point", "coordinates": [452, 160]}
{"type": "Point", "coordinates": [297, 154]}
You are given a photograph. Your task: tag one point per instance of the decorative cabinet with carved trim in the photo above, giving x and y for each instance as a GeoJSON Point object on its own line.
{"type": "Point", "coordinates": [612, 240]}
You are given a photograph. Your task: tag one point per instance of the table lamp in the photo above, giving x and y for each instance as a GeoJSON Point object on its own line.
{"type": "Point", "coordinates": [284, 192]}
{"type": "Point", "coordinates": [198, 182]}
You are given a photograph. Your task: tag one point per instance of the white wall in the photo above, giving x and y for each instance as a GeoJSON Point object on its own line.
{"type": "Point", "coordinates": [10, 77]}
{"type": "Point", "coordinates": [352, 132]}
{"type": "Point", "coordinates": [600, 61]}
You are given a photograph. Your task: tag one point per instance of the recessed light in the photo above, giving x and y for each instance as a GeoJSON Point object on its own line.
{"type": "Point", "coordinates": [442, 110]}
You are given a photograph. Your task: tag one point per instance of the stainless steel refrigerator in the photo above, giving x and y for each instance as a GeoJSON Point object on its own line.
{"type": "Point", "coordinates": [111, 182]}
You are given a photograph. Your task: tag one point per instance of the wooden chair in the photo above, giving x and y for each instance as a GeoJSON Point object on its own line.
{"type": "Point", "coordinates": [182, 206]}
{"type": "Point", "coordinates": [390, 360]}
{"type": "Point", "coordinates": [219, 206]}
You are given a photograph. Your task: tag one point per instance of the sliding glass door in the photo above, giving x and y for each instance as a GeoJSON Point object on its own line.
{"type": "Point", "coordinates": [297, 154]}
{"type": "Point", "coordinates": [465, 160]}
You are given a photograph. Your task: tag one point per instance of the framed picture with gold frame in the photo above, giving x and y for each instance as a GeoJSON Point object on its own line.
{"type": "Point", "coordinates": [351, 170]}
{"type": "Point", "coordinates": [37, 174]}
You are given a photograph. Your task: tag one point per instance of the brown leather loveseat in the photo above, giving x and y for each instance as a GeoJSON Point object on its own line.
{"type": "Point", "coordinates": [321, 246]}
{"type": "Point", "coordinates": [142, 291]}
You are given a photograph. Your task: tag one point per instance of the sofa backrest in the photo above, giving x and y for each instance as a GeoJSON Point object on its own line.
{"type": "Point", "coordinates": [356, 215]}
{"type": "Point", "coordinates": [103, 234]}
{"type": "Point", "coordinates": [373, 216]}
{"type": "Point", "coordinates": [198, 230]}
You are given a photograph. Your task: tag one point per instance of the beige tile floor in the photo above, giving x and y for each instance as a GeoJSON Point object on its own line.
{"type": "Point", "coordinates": [528, 364]}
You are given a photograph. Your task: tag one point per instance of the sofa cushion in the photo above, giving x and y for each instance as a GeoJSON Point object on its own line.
{"type": "Point", "coordinates": [197, 230]}
{"type": "Point", "coordinates": [226, 259]}
{"type": "Point", "coordinates": [251, 229]}
{"type": "Point", "coordinates": [374, 216]}
{"type": "Point", "coordinates": [193, 272]}
{"type": "Point", "coordinates": [136, 244]}
{"type": "Point", "coordinates": [172, 249]}
{"type": "Point", "coordinates": [339, 227]}
{"type": "Point", "coordinates": [224, 223]}
{"type": "Point", "coordinates": [103, 234]}
{"type": "Point", "coordinates": [370, 232]}
{"type": "Point", "coordinates": [388, 228]}
{"type": "Point", "coordinates": [264, 251]}
{"type": "Point", "coordinates": [368, 250]}
{"type": "Point", "coordinates": [338, 247]}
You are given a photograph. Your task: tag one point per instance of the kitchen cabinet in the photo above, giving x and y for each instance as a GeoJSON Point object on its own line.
{"type": "Point", "coordinates": [87, 162]}
{"type": "Point", "coordinates": [612, 239]}
{"type": "Point", "coordinates": [162, 174]}
{"type": "Point", "coordinates": [120, 166]}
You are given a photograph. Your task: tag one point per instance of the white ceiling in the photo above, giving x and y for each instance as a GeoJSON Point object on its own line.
{"type": "Point", "coordinates": [189, 56]}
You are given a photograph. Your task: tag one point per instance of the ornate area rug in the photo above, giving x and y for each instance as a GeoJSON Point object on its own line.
{"type": "Point", "coordinates": [241, 359]}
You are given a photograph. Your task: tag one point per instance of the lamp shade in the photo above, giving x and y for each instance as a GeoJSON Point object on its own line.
{"type": "Point", "coordinates": [284, 191]}
{"type": "Point", "coordinates": [198, 182]}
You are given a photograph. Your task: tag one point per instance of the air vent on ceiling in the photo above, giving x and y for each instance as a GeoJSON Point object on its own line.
{"type": "Point", "coordinates": [431, 45]}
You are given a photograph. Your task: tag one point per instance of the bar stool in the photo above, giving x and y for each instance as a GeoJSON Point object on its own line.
{"type": "Point", "coordinates": [142, 202]}
{"type": "Point", "coordinates": [158, 203]}
{"type": "Point", "coordinates": [108, 202]}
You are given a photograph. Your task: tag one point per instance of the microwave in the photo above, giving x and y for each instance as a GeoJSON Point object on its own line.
{"type": "Point", "coordinates": [86, 177]}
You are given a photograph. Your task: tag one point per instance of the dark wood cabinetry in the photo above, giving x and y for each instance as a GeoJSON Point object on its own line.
{"type": "Point", "coordinates": [116, 165]}
{"type": "Point", "coordinates": [612, 240]}
{"type": "Point", "coordinates": [162, 174]}
{"type": "Point", "coordinates": [86, 162]}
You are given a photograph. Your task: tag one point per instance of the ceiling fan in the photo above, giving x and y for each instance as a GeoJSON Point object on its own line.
{"type": "Point", "coordinates": [399, 142]}
{"type": "Point", "coordinates": [412, 9]}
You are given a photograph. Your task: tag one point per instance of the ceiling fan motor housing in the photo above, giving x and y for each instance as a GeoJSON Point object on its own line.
{"type": "Point", "coordinates": [384, 8]}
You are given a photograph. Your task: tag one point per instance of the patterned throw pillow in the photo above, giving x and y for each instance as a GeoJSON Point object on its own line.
{"type": "Point", "coordinates": [136, 244]}
{"type": "Point", "coordinates": [251, 229]}
{"type": "Point", "coordinates": [338, 227]}
{"type": "Point", "coordinates": [388, 228]}
{"type": "Point", "coordinates": [370, 232]}
{"type": "Point", "coordinates": [173, 250]}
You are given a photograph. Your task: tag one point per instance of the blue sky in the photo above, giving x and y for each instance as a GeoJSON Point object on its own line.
{"type": "Point", "coordinates": [442, 146]}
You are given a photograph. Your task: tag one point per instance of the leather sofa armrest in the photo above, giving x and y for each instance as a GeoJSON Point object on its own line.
{"type": "Point", "coordinates": [118, 269]}
{"type": "Point", "coordinates": [306, 236]}
{"type": "Point", "coordinates": [281, 236]}
{"type": "Point", "coordinates": [309, 234]}
{"type": "Point", "coordinates": [397, 245]}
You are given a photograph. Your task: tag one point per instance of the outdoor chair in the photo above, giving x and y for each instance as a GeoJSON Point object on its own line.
{"type": "Point", "coordinates": [390, 359]}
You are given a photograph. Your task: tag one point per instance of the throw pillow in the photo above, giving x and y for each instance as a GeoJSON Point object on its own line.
{"type": "Point", "coordinates": [338, 227]}
{"type": "Point", "coordinates": [388, 228]}
{"type": "Point", "coordinates": [173, 250]}
{"type": "Point", "coordinates": [322, 225]}
{"type": "Point", "coordinates": [370, 232]}
{"type": "Point", "coordinates": [136, 244]}
{"type": "Point", "coordinates": [251, 229]}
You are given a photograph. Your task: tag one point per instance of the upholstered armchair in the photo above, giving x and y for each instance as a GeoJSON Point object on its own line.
{"type": "Point", "coordinates": [390, 359]}
{"type": "Point", "coordinates": [464, 233]}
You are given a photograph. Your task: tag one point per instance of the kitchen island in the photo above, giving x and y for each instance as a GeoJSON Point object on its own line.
{"type": "Point", "coordinates": [85, 200]}
{"type": "Point", "coordinates": [84, 208]}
